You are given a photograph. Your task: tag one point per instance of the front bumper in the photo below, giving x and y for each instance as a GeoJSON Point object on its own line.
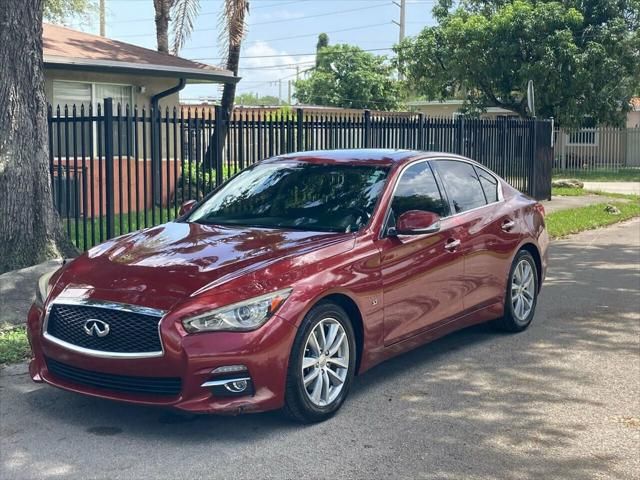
{"type": "Point", "coordinates": [191, 358]}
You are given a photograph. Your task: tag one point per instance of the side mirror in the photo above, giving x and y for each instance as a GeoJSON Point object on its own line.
{"type": "Point", "coordinates": [186, 207]}
{"type": "Point", "coordinates": [417, 222]}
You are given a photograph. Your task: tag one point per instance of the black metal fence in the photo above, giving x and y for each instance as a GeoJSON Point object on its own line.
{"type": "Point", "coordinates": [114, 172]}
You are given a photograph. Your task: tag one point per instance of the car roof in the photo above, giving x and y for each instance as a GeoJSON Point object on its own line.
{"type": "Point", "coordinates": [359, 156]}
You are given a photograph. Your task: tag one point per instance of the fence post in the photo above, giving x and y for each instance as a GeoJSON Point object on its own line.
{"type": "Point", "coordinates": [219, 142]}
{"type": "Point", "coordinates": [300, 130]}
{"type": "Point", "coordinates": [533, 132]}
{"type": "Point", "coordinates": [459, 134]}
{"type": "Point", "coordinates": [108, 162]}
{"type": "Point", "coordinates": [420, 136]}
{"type": "Point", "coordinates": [366, 135]}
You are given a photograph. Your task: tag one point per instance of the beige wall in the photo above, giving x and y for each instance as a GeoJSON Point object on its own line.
{"type": "Point", "coordinates": [633, 119]}
{"type": "Point", "coordinates": [152, 85]}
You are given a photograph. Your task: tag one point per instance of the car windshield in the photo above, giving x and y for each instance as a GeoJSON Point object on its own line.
{"type": "Point", "coordinates": [296, 195]}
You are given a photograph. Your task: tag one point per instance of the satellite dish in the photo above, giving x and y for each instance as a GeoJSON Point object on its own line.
{"type": "Point", "coordinates": [531, 99]}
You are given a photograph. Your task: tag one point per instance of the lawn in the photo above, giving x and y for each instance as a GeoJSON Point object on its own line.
{"type": "Point", "coordinates": [622, 175]}
{"type": "Point", "coordinates": [14, 346]}
{"type": "Point", "coordinates": [578, 192]}
{"type": "Point", "coordinates": [574, 220]}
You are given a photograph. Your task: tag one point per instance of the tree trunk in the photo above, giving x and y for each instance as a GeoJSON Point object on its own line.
{"type": "Point", "coordinates": [229, 90]}
{"type": "Point", "coordinates": [30, 230]}
{"type": "Point", "coordinates": [162, 8]}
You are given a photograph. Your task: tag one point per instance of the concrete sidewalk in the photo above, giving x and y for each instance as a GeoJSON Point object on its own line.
{"type": "Point", "coordinates": [627, 188]}
{"type": "Point", "coordinates": [17, 290]}
{"type": "Point", "coordinates": [564, 203]}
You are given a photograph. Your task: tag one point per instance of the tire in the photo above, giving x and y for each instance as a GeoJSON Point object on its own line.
{"type": "Point", "coordinates": [314, 402]}
{"type": "Point", "coordinates": [518, 312]}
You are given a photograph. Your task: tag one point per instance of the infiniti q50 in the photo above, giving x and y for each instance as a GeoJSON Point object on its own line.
{"type": "Point", "coordinates": [299, 273]}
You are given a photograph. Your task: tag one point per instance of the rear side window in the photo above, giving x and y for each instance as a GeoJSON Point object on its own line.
{"type": "Point", "coordinates": [417, 190]}
{"type": "Point", "coordinates": [489, 185]}
{"type": "Point", "coordinates": [462, 185]}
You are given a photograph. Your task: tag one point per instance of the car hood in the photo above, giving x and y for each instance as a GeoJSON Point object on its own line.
{"type": "Point", "coordinates": [162, 265]}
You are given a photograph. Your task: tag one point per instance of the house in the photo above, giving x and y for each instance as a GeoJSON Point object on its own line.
{"type": "Point", "coordinates": [600, 146]}
{"type": "Point", "coordinates": [80, 71]}
{"type": "Point", "coordinates": [83, 69]}
{"type": "Point", "coordinates": [452, 108]}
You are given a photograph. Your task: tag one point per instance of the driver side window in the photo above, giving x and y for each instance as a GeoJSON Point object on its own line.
{"type": "Point", "coordinates": [418, 190]}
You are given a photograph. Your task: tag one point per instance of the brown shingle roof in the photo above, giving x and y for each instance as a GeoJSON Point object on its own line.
{"type": "Point", "coordinates": [635, 103]}
{"type": "Point", "coordinates": [67, 47]}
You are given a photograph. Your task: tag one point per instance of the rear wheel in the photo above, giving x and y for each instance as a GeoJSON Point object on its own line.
{"type": "Point", "coordinates": [522, 294]}
{"type": "Point", "coordinates": [322, 364]}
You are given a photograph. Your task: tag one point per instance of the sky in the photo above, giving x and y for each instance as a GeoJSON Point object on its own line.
{"type": "Point", "coordinates": [269, 54]}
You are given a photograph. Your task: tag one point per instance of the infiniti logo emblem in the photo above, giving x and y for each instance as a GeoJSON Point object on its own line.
{"type": "Point", "coordinates": [96, 328]}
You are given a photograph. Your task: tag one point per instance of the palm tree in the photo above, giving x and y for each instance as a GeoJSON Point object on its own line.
{"type": "Point", "coordinates": [162, 18]}
{"type": "Point", "coordinates": [233, 27]}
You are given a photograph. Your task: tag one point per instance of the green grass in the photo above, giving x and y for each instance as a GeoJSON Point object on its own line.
{"type": "Point", "coordinates": [14, 346]}
{"type": "Point", "coordinates": [568, 192]}
{"type": "Point", "coordinates": [579, 192]}
{"type": "Point", "coordinates": [574, 220]}
{"type": "Point", "coordinates": [622, 175]}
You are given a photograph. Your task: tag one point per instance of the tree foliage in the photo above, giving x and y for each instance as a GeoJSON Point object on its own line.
{"type": "Point", "coordinates": [349, 77]}
{"type": "Point", "coordinates": [61, 11]}
{"type": "Point", "coordinates": [253, 99]}
{"type": "Point", "coordinates": [583, 56]}
{"type": "Point", "coordinates": [323, 42]}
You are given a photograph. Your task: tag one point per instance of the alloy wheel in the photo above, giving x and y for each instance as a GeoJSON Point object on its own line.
{"type": "Point", "coordinates": [522, 290]}
{"type": "Point", "coordinates": [325, 363]}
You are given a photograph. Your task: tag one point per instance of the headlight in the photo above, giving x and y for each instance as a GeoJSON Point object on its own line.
{"type": "Point", "coordinates": [242, 316]}
{"type": "Point", "coordinates": [43, 288]}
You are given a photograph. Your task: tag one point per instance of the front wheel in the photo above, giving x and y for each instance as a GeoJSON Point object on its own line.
{"type": "Point", "coordinates": [522, 294]}
{"type": "Point", "coordinates": [322, 364]}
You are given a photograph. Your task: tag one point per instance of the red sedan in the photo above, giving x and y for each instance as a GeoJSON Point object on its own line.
{"type": "Point", "coordinates": [297, 274]}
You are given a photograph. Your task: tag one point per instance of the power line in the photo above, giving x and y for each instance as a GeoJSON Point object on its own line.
{"type": "Point", "coordinates": [337, 12]}
{"type": "Point", "coordinates": [270, 40]}
{"type": "Point", "coordinates": [288, 54]}
{"type": "Point", "coordinates": [209, 14]}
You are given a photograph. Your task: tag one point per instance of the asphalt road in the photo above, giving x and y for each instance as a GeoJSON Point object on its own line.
{"type": "Point", "coordinates": [560, 401]}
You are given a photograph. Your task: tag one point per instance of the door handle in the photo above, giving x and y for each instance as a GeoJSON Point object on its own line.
{"type": "Point", "coordinates": [507, 225]}
{"type": "Point", "coordinates": [452, 244]}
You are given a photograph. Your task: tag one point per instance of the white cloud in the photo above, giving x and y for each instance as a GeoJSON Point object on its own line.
{"type": "Point", "coordinates": [282, 14]}
{"type": "Point", "coordinates": [262, 74]}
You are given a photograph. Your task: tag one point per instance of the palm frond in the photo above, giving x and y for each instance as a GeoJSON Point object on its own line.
{"type": "Point", "coordinates": [183, 13]}
{"type": "Point", "coordinates": [233, 25]}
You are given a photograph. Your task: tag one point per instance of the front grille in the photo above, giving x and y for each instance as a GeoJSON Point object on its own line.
{"type": "Point", "coordinates": [129, 332]}
{"type": "Point", "coordinates": [164, 386]}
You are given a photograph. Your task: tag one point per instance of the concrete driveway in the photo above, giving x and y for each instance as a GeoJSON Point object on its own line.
{"type": "Point", "coordinates": [561, 400]}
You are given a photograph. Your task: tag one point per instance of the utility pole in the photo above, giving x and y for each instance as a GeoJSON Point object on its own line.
{"type": "Point", "coordinates": [280, 92]}
{"type": "Point", "coordinates": [103, 27]}
{"type": "Point", "coordinates": [289, 92]}
{"type": "Point", "coordinates": [402, 23]}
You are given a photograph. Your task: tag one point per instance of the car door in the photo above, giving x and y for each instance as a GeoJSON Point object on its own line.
{"type": "Point", "coordinates": [484, 227]}
{"type": "Point", "coordinates": [421, 274]}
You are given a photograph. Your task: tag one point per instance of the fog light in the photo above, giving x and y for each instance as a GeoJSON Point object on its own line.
{"type": "Point", "coordinates": [231, 386]}
{"type": "Point", "coordinates": [237, 387]}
